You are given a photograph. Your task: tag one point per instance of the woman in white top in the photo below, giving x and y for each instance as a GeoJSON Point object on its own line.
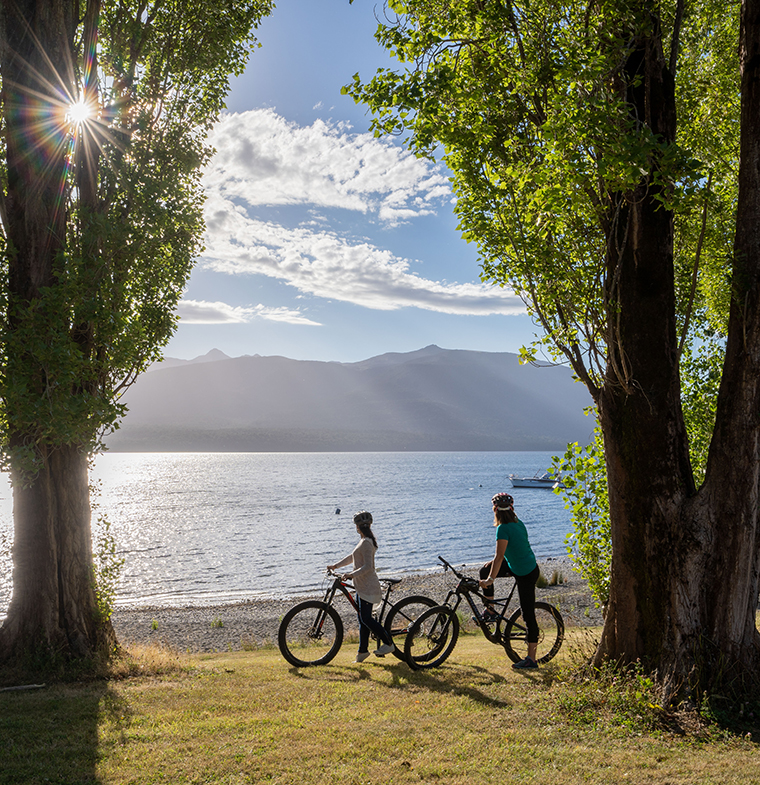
{"type": "Point", "coordinates": [367, 586]}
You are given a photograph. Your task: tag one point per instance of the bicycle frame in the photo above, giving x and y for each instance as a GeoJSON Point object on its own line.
{"type": "Point", "coordinates": [345, 588]}
{"type": "Point", "coordinates": [465, 589]}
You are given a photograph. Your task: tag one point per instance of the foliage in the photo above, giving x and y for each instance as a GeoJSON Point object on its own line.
{"type": "Point", "coordinates": [584, 489]}
{"type": "Point", "coordinates": [701, 369]}
{"type": "Point", "coordinates": [154, 83]}
{"type": "Point", "coordinates": [526, 103]}
{"type": "Point", "coordinates": [108, 567]}
{"type": "Point", "coordinates": [108, 563]}
{"type": "Point", "coordinates": [624, 698]}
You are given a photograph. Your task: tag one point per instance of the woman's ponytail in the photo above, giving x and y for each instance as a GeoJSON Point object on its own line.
{"type": "Point", "coordinates": [365, 529]}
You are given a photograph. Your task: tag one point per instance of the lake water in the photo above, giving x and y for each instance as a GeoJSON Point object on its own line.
{"type": "Point", "coordinates": [221, 527]}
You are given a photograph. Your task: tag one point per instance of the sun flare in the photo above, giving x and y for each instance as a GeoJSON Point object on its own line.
{"type": "Point", "coordinates": [79, 112]}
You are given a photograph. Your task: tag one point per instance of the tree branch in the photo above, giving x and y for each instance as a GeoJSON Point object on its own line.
{"type": "Point", "coordinates": [694, 274]}
{"type": "Point", "coordinates": [675, 39]}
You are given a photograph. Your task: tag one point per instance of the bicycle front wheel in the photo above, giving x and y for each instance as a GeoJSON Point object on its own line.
{"type": "Point", "coordinates": [431, 638]}
{"type": "Point", "coordinates": [310, 634]}
{"type": "Point", "coordinates": [402, 615]}
{"type": "Point", "coordinates": [551, 633]}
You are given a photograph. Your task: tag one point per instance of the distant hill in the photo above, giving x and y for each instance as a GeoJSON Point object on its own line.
{"type": "Point", "coordinates": [431, 399]}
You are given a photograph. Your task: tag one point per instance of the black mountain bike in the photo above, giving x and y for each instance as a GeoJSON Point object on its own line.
{"type": "Point", "coordinates": [312, 632]}
{"type": "Point", "coordinates": [432, 637]}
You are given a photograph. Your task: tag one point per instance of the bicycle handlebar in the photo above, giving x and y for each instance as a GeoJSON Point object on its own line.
{"type": "Point", "coordinates": [447, 566]}
{"type": "Point", "coordinates": [472, 583]}
{"type": "Point", "coordinates": [347, 581]}
{"type": "Point", "coordinates": [338, 575]}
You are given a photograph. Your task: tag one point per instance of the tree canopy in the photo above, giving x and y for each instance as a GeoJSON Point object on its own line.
{"type": "Point", "coordinates": [148, 81]}
{"type": "Point", "coordinates": [526, 103]}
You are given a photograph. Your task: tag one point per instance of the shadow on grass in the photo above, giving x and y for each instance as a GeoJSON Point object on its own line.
{"type": "Point", "coordinates": [51, 734]}
{"type": "Point", "coordinates": [438, 681]}
{"type": "Point", "coordinates": [402, 678]}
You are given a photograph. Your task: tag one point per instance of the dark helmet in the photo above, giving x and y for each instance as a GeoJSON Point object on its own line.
{"type": "Point", "coordinates": [363, 518]}
{"type": "Point", "coordinates": [503, 501]}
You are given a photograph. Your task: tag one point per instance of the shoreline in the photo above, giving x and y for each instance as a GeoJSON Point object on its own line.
{"type": "Point", "coordinates": [253, 623]}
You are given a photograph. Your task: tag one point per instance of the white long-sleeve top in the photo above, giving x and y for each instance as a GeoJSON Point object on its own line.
{"type": "Point", "coordinates": [363, 575]}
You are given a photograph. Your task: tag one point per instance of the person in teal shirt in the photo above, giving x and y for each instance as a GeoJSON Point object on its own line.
{"type": "Point", "coordinates": [513, 556]}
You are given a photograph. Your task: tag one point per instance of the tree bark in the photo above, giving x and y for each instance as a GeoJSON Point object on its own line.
{"type": "Point", "coordinates": [54, 607]}
{"type": "Point", "coordinates": [684, 581]}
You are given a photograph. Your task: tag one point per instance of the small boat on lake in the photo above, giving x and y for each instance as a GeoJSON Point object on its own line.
{"type": "Point", "coordinates": [544, 480]}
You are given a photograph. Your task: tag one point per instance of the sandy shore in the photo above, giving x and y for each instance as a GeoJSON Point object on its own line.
{"type": "Point", "coordinates": [250, 624]}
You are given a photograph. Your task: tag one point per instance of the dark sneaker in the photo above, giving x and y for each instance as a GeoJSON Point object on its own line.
{"type": "Point", "coordinates": [526, 663]}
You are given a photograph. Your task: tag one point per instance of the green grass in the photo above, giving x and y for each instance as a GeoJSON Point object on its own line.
{"type": "Point", "coordinates": [247, 717]}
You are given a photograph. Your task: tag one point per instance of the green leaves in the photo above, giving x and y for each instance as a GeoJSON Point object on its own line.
{"type": "Point", "coordinates": [584, 490]}
{"type": "Point", "coordinates": [530, 106]}
{"type": "Point", "coordinates": [133, 205]}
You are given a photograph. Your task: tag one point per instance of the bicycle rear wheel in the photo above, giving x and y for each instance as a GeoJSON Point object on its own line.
{"type": "Point", "coordinates": [431, 638]}
{"type": "Point", "coordinates": [551, 633]}
{"type": "Point", "coordinates": [401, 616]}
{"type": "Point", "coordinates": [310, 634]}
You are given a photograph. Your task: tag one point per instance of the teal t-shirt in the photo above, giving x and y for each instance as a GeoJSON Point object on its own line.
{"type": "Point", "coordinates": [519, 555]}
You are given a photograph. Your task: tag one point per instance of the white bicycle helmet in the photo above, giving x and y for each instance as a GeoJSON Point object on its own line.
{"type": "Point", "coordinates": [503, 501]}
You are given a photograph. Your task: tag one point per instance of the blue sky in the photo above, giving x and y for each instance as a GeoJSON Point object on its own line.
{"type": "Point", "coordinates": [322, 242]}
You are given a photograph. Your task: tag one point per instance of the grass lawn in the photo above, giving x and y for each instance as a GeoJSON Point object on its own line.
{"type": "Point", "coordinates": [247, 717]}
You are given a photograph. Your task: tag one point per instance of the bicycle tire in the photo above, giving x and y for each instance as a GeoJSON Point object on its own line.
{"type": "Point", "coordinates": [310, 633]}
{"type": "Point", "coordinates": [401, 616]}
{"type": "Point", "coordinates": [551, 633]}
{"type": "Point", "coordinates": [431, 638]}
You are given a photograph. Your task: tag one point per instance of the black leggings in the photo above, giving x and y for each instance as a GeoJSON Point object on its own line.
{"type": "Point", "coordinates": [368, 623]}
{"type": "Point", "coordinates": [526, 591]}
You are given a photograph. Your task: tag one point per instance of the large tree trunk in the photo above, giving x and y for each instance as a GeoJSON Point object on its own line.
{"type": "Point", "coordinates": [730, 493]}
{"type": "Point", "coordinates": [54, 604]}
{"type": "Point", "coordinates": [54, 608]}
{"type": "Point", "coordinates": [684, 581]}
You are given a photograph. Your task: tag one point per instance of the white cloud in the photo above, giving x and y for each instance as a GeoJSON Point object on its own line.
{"type": "Point", "coordinates": [263, 160]}
{"type": "Point", "coordinates": [201, 312]}
{"type": "Point", "coordinates": [284, 315]}
{"type": "Point", "coordinates": [329, 266]}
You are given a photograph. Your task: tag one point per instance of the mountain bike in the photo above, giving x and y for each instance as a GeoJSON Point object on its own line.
{"type": "Point", "coordinates": [432, 637]}
{"type": "Point", "coordinates": [311, 632]}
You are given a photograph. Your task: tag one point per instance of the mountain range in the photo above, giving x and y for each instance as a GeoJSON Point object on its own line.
{"type": "Point", "coordinates": [431, 399]}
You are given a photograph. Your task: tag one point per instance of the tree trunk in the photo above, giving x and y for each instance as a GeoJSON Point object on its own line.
{"type": "Point", "coordinates": [733, 469]}
{"type": "Point", "coordinates": [54, 607]}
{"type": "Point", "coordinates": [684, 581]}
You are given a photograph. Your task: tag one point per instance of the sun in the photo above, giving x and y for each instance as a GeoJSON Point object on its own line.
{"type": "Point", "coordinates": [79, 112]}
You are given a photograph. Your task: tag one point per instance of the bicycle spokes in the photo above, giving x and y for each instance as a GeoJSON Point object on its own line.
{"type": "Point", "coordinates": [551, 633]}
{"type": "Point", "coordinates": [310, 634]}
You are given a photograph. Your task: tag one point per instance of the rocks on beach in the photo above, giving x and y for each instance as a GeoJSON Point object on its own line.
{"type": "Point", "coordinates": [248, 625]}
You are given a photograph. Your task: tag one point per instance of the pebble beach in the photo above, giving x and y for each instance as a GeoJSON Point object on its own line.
{"type": "Point", "coordinates": [252, 624]}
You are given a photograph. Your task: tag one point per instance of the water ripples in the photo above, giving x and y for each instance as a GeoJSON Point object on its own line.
{"type": "Point", "coordinates": [222, 527]}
